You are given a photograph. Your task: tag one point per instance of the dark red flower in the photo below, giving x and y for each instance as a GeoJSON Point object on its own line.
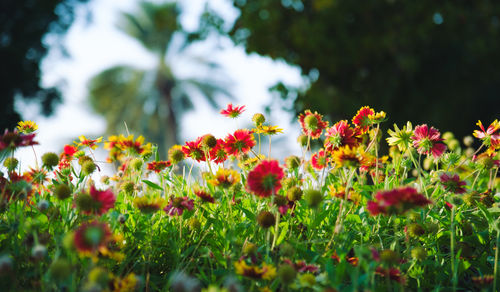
{"type": "Point", "coordinates": [218, 154]}
{"type": "Point", "coordinates": [240, 142]}
{"type": "Point", "coordinates": [393, 274]}
{"type": "Point", "coordinates": [302, 266]}
{"type": "Point", "coordinates": [14, 139]}
{"type": "Point", "coordinates": [232, 112]}
{"type": "Point", "coordinates": [103, 200]}
{"type": "Point", "coordinates": [89, 237]}
{"type": "Point", "coordinates": [265, 179]}
{"type": "Point", "coordinates": [396, 201]}
{"type": "Point", "coordinates": [341, 134]}
{"type": "Point", "coordinates": [453, 183]}
{"type": "Point", "coordinates": [177, 205]}
{"type": "Point", "coordinates": [193, 149]}
{"type": "Point", "coordinates": [204, 196]}
{"type": "Point", "coordinates": [158, 166]}
{"type": "Point", "coordinates": [312, 124]}
{"type": "Point", "coordinates": [427, 140]}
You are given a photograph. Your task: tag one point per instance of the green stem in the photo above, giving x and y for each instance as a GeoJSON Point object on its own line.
{"type": "Point", "coordinates": [452, 243]}
{"type": "Point", "coordinates": [495, 269]}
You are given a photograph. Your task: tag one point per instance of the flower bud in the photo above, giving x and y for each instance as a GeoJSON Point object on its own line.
{"type": "Point", "coordinates": [419, 253]}
{"type": "Point", "coordinates": [43, 205]}
{"type": "Point", "coordinates": [294, 194]}
{"type": "Point", "coordinates": [209, 141]}
{"type": "Point", "coordinates": [313, 197]}
{"type": "Point", "coordinates": [292, 162]}
{"type": "Point", "coordinates": [266, 219]}
{"type": "Point", "coordinates": [84, 202]}
{"type": "Point", "coordinates": [468, 140]}
{"type": "Point", "coordinates": [11, 163]}
{"type": "Point", "coordinates": [287, 274]}
{"type": "Point", "coordinates": [175, 154]}
{"type": "Point", "coordinates": [389, 256]}
{"type": "Point", "coordinates": [415, 230]}
{"type": "Point", "coordinates": [258, 119]}
{"type": "Point", "coordinates": [60, 269]}
{"type": "Point", "coordinates": [50, 160]}
{"type": "Point", "coordinates": [38, 252]}
{"type": "Point", "coordinates": [62, 191]}
{"type": "Point", "coordinates": [136, 163]}
{"type": "Point", "coordinates": [302, 139]}
{"type": "Point", "coordinates": [88, 167]}
{"type": "Point", "coordinates": [249, 248]}
{"type": "Point", "coordinates": [128, 187]}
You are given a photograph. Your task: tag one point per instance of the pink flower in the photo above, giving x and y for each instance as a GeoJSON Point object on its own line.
{"type": "Point", "coordinates": [452, 183]}
{"type": "Point", "coordinates": [232, 112]}
{"type": "Point", "coordinates": [177, 205]}
{"type": "Point", "coordinates": [193, 149]}
{"type": "Point", "coordinates": [341, 134]}
{"type": "Point", "coordinates": [427, 140]}
{"type": "Point", "coordinates": [396, 201]}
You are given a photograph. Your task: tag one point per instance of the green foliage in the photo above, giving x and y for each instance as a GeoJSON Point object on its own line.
{"type": "Point", "coordinates": [412, 58]}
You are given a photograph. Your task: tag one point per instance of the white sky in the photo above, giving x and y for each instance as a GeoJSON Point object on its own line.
{"type": "Point", "coordinates": [99, 45]}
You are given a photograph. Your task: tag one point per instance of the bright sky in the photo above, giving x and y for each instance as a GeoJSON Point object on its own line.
{"type": "Point", "coordinates": [98, 45]}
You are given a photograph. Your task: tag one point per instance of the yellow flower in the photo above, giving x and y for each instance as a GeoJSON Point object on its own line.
{"type": "Point", "coordinates": [269, 130]}
{"type": "Point", "coordinates": [266, 272]}
{"type": "Point", "coordinates": [148, 204]}
{"type": "Point", "coordinates": [377, 118]}
{"type": "Point", "coordinates": [127, 284]}
{"type": "Point", "coordinates": [224, 178]}
{"type": "Point", "coordinates": [88, 142]}
{"type": "Point", "coordinates": [349, 157]}
{"type": "Point", "coordinates": [27, 127]}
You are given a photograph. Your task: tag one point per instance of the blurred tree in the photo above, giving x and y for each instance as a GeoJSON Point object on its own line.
{"type": "Point", "coordinates": [151, 102]}
{"type": "Point", "coordinates": [425, 61]}
{"type": "Point", "coordinates": [23, 26]}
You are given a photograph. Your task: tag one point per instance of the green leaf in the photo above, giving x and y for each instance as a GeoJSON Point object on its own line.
{"type": "Point", "coordinates": [152, 184]}
{"type": "Point", "coordinates": [283, 232]}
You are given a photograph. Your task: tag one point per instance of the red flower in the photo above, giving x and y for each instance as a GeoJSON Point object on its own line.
{"type": "Point", "coordinates": [13, 139]}
{"type": "Point", "coordinates": [302, 266]}
{"type": "Point", "coordinates": [103, 200]}
{"type": "Point", "coordinates": [204, 196]}
{"type": "Point", "coordinates": [319, 160]}
{"type": "Point", "coordinates": [362, 120]}
{"type": "Point", "coordinates": [232, 112]}
{"type": "Point", "coordinates": [218, 154]}
{"type": "Point", "coordinates": [396, 201]}
{"type": "Point", "coordinates": [427, 140]}
{"type": "Point", "coordinates": [393, 274]}
{"type": "Point", "coordinates": [452, 183]}
{"type": "Point", "coordinates": [490, 136]}
{"type": "Point", "coordinates": [177, 205]}
{"type": "Point", "coordinates": [341, 134]}
{"type": "Point", "coordinates": [193, 149]}
{"type": "Point", "coordinates": [312, 124]}
{"type": "Point", "coordinates": [265, 179]}
{"type": "Point", "coordinates": [240, 142]}
{"type": "Point", "coordinates": [158, 166]}
{"type": "Point", "coordinates": [89, 237]}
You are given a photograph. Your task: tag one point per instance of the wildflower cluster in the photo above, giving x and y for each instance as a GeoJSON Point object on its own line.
{"type": "Point", "coordinates": [349, 212]}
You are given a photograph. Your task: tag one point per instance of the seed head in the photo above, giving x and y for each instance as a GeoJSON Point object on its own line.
{"type": "Point", "coordinates": [10, 163]}
{"type": "Point", "coordinates": [287, 274]}
{"type": "Point", "coordinates": [49, 160]}
{"type": "Point", "coordinates": [313, 197]}
{"type": "Point", "coordinates": [258, 119]}
{"type": "Point", "coordinates": [88, 167]}
{"type": "Point", "coordinates": [294, 194]}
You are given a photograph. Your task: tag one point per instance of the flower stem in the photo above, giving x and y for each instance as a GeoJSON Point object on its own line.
{"type": "Point", "coordinates": [452, 244]}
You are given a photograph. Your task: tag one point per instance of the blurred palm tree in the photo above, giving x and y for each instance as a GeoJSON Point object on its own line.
{"type": "Point", "coordinates": [152, 101]}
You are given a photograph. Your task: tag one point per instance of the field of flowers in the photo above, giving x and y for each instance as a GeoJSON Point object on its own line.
{"type": "Point", "coordinates": [224, 215]}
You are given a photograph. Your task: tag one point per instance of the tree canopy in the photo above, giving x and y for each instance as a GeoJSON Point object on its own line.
{"type": "Point", "coordinates": [432, 61]}
{"type": "Point", "coordinates": [23, 25]}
